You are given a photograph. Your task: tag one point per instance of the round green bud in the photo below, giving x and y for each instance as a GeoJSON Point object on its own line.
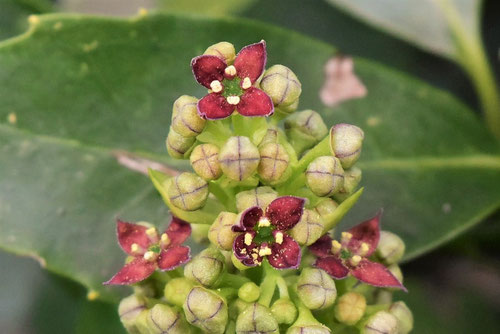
{"type": "Point", "coordinates": [391, 247]}
{"type": "Point", "coordinates": [271, 136]}
{"type": "Point", "coordinates": [206, 267]}
{"type": "Point", "coordinates": [224, 50]}
{"type": "Point", "coordinates": [164, 319]}
{"type": "Point", "coordinates": [220, 233]}
{"type": "Point", "coordinates": [178, 145]}
{"type": "Point", "coordinates": [404, 316]}
{"type": "Point", "coordinates": [188, 191]}
{"type": "Point", "coordinates": [309, 329]}
{"type": "Point", "coordinates": [380, 322]}
{"type": "Point", "coordinates": [236, 307]}
{"type": "Point", "coordinates": [256, 318]}
{"type": "Point", "coordinates": [308, 122]}
{"type": "Point", "coordinates": [326, 207]}
{"type": "Point", "coordinates": [308, 229]}
{"type": "Point", "coordinates": [350, 308]}
{"type": "Point", "coordinates": [345, 143]}
{"type": "Point", "coordinates": [239, 158]}
{"type": "Point", "coordinates": [325, 176]}
{"type": "Point", "coordinates": [176, 290]}
{"type": "Point", "coordinates": [205, 161]}
{"type": "Point", "coordinates": [289, 109]}
{"type": "Point", "coordinates": [206, 310]}
{"type": "Point", "coordinates": [249, 292]}
{"type": "Point", "coordinates": [185, 118]}
{"type": "Point", "coordinates": [131, 310]}
{"type": "Point", "coordinates": [273, 162]}
{"type": "Point", "coordinates": [352, 177]}
{"type": "Point", "coordinates": [261, 197]}
{"type": "Point", "coordinates": [316, 289]}
{"type": "Point", "coordinates": [281, 84]}
{"type": "Point", "coordinates": [284, 311]}
{"type": "Point", "coordinates": [396, 271]}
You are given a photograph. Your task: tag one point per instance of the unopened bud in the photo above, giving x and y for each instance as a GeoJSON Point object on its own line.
{"type": "Point", "coordinates": [220, 233]}
{"type": "Point", "coordinates": [316, 289]}
{"type": "Point", "coordinates": [239, 158]}
{"type": "Point", "coordinates": [271, 136]}
{"type": "Point", "coordinates": [350, 308]}
{"type": "Point", "coordinates": [345, 143]}
{"type": "Point", "coordinates": [284, 311]}
{"type": "Point", "coordinates": [282, 85]}
{"type": "Point", "coordinates": [178, 145]}
{"type": "Point", "coordinates": [309, 329]}
{"type": "Point", "coordinates": [380, 322]}
{"type": "Point", "coordinates": [289, 109]}
{"type": "Point", "coordinates": [236, 307]}
{"type": "Point", "coordinates": [188, 192]}
{"type": "Point", "coordinates": [249, 292]}
{"type": "Point", "coordinates": [205, 161]}
{"type": "Point", "coordinates": [404, 316]}
{"type": "Point", "coordinates": [326, 207]}
{"type": "Point", "coordinates": [391, 247]}
{"type": "Point", "coordinates": [325, 176]}
{"type": "Point", "coordinates": [224, 50]}
{"type": "Point", "coordinates": [261, 197]}
{"type": "Point", "coordinates": [164, 319]}
{"type": "Point", "coordinates": [177, 289]}
{"type": "Point", "coordinates": [131, 310]}
{"type": "Point", "coordinates": [185, 118]}
{"type": "Point", "coordinates": [304, 129]}
{"type": "Point", "coordinates": [352, 177]}
{"type": "Point", "coordinates": [308, 229]}
{"type": "Point", "coordinates": [273, 162]}
{"type": "Point", "coordinates": [206, 310]}
{"type": "Point", "coordinates": [206, 267]}
{"type": "Point", "coordinates": [256, 318]}
{"type": "Point", "coordinates": [396, 271]}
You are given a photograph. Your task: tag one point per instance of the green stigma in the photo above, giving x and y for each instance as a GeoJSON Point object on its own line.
{"type": "Point", "coordinates": [232, 87]}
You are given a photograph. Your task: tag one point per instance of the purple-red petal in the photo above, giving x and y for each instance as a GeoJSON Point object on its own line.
{"type": "Point", "coordinates": [333, 266]}
{"type": "Point", "coordinates": [322, 247]}
{"type": "Point", "coordinates": [173, 257]}
{"type": "Point", "coordinates": [366, 232]}
{"type": "Point", "coordinates": [129, 234]}
{"type": "Point", "coordinates": [178, 231]}
{"type": "Point", "coordinates": [251, 61]}
{"type": "Point", "coordinates": [285, 255]}
{"type": "Point", "coordinates": [137, 270]}
{"type": "Point", "coordinates": [208, 68]}
{"type": "Point", "coordinates": [285, 212]}
{"type": "Point", "coordinates": [214, 106]}
{"type": "Point", "coordinates": [249, 218]}
{"type": "Point", "coordinates": [375, 274]}
{"type": "Point", "coordinates": [254, 102]}
{"type": "Point", "coordinates": [244, 252]}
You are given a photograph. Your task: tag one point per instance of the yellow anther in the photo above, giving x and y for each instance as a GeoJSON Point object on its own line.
{"type": "Point", "coordinates": [135, 248]}
{"type": "Point", "coordinates": [255, 256]}
{"type": "Point", "coordinates": [151, 232]}
{"type": "Point", "coordinates": [230, 70]}
{"type": "Point", "coordinates": [234, 100]}
{"type": "Point", "coordinates": [150, 256]}
{"type": "Point", "coordinates": [216, 86]}
{"type": "Point", "coordinates": [355, 260]}
{"type": "Point", "coordinates": [363, 249]}
{"type": "Point", "coordinates": [246, 83]}
{"type": "Point", "coordinates": [346, 236]}
{"type": "Point", "coordinates": [165, 240]}
{"type": "Point", "coordinates": [264, 222]}
{"type": "Point", "coordinates": [278, 237]}
{"type": "Point", "coordinates": [248, 239]}
{"type": "Point", "coordinates": [265, 251]}
{"type": "Point", "coordinates": [336, 246]}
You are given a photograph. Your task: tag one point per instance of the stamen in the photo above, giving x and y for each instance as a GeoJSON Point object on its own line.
{"type": "Point", "coordinates": [346, 237]}
{"type": "Point", "coordinates": [265, 251]}
{"type": "Point", "coordinates": [234, 100]}
{"type": "Point", "coordinates": [230, 71]}
{"type": "Point", "coordinates": [149, 256]}
{"type": "Point", "coordinates": [248, 239]}
{"type": "Point", "coordinates": [279, 238]}
{"type": "Point", "coordinates": [355, 260]}
{"type": "Point", "coordinates": [264, 222]}
{"type": "Point", "coordinates": [135, 249]}
{"type": "Point", "coordinates": [165, 240]}
{"type": "Point", "coordinates": [246, 83]}
{"type": "Point", "coordinates": [216, 86]}
{"type": "Point", "coordinates": [336, 246]}
{"type": "Point", "coordinates": [363, 249]}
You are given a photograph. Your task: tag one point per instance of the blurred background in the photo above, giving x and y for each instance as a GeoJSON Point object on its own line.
{"type": "Point", "coordinates": [454, 289]}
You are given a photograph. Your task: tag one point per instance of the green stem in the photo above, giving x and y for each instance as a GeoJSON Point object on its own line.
{"type": "Point", "coordinates": [224, 195]}
{"type": "Point", "coordinates": [227, 293]}
{"type": "Point", "coordinates": [232, 280]}
{"type": "Point", "coordinates": [282, 287]}
{"type": "Point", "coordinates": [268, 284]}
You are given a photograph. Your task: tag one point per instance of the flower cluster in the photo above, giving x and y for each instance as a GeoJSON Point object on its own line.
{"type": "Point", "coordinates": [268, 187]}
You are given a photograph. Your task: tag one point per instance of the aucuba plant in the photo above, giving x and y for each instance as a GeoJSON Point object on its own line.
{"type": "Point", "coordinates": [269, 185]}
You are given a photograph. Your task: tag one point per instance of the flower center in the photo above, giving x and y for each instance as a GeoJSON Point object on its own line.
{"type": "Point", "coordinates": [232, 87]}
{"type": "Point", "coordinates": [264, 231]}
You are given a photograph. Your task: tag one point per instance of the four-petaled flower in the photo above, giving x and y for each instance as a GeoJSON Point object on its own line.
{"type": "Point", "coordinates": [232, 86]}
{"type": "Point", "coordinates": [264, 234]}
{"type": "Point", "coordinates": [349, 256]}
{"type": "Point", "coordinates": [150, 250]}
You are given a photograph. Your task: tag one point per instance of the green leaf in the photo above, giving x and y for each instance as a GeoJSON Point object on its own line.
{"type": "Point", "coordinates": [14, 15]}
{"type": "Point", "coordinates": [107, 84]}
{"type": "Point", "coordinates": [216, 8]}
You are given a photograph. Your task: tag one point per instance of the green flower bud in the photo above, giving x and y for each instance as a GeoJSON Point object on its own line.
{"type": "Point", "coordinates": [316, 289]}
{"type": "Point", "coordinates": [188, 192]}
{"type": "Point", "coordinates": [256, 318]}
{"type": "Point", "coordinates": [391, 247]}
{"type": "Point", "coordinates": [271, 136]}
{"type": "Point", "coordinates": [282, 85]}
{"type": "Point", "coordinates": [289, 109]}
{"type": "Point", "coordinates": [404, 316]}
{"type": "Point", "coordinates": [220, 233]}
{"type": "Point", "coordinates": [178, 145]}
{"type": "Point", "coordinates": [325, 176]}
{"type": "Point", "coordinates": [239, 158]}
{"type": "Point", "coordinates": [164, 319]}
{"type": "Point", "coordinates": [236, 307]}
{"type": "Point", "coordinates": [304, 129]}
{"type": "Point", "coordinates": [261, 197]}
{"type": "Point", "coordinates": [380, 322]}
{"type": "Point", "coordinates": [185, 118]}
{"type": "Point", "coordinates": [396, 271]}
{"type": "Point", "coordinates": [350, 308]}
{"type": "Point", "coordinates": [177, 289]}
{"type": "Point", "coordinates": [206, 310]}
{"type": "Point", "coordinates": [308, 229]}
{"type": "Point", "coordinates": [326, 207]}
{"type": "Point", "coordinates": [205, 161]}
{"type": "Point", "coordinates": [206, 267]}
{"type": "Point", "coordinates": [309, 329]}
{"type": "Point", "coordinates": [249, 292]}
{"type": "Point", "coordinates": [345, 143]}
{"type": "Point", "coordinates": [237, 263]}
{"type": "Point", "coordinates": [224, 50]}
{"type": "Point", "coordinates": [131, 310]}
{"type": "Point", "coordinates": [273, 162]}
{"type": "Point", "coordinates": [352, 177]}
{"type": "Point", "coordinates": [284, 311]}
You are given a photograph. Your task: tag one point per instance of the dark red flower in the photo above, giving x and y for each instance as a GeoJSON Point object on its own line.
{"type": "Point", "coordinates": [233, 86]}
{"type": "Point", "coordinates": [264, 234]}
{"type": "Point", "coordinates": [150, 250]}
{"type": "Point", "coordinates": [349, 256]}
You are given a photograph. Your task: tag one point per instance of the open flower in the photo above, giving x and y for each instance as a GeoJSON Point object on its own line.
{"type": "Point", "coordinates": [264, 234]}
{"type": "Point", "coordinates": [350, 255]}
{"type": "Point", "coordinates": [232, 86]}
{"type": "Point", "coordinates": [149, 250]}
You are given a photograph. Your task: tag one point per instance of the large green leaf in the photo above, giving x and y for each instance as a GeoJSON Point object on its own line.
{"type": "Point", "coordinates": [75, 89]}
{"type": "Point", "coordinates": [215, 8]}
